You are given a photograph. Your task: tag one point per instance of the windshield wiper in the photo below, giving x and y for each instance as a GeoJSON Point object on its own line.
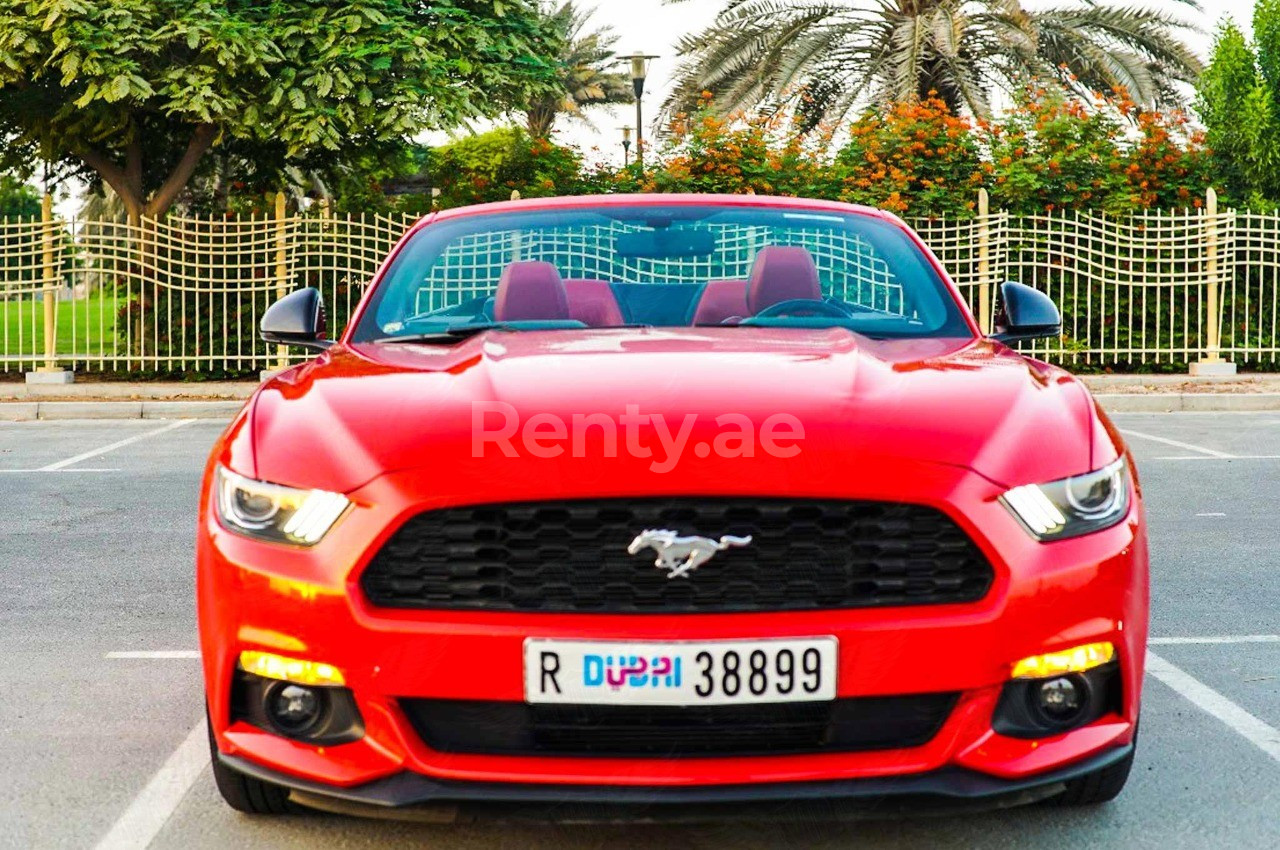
{"type": "Point", "coordinates": [448, 336]}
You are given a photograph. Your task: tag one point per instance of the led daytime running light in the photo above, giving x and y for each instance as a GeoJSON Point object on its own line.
{"type": "Point", "coordinates": [296, 670]}
{"type": "Point", "coordinates": [1077, 659]}
{"type": "Point", "coordinates": [1035, 509]}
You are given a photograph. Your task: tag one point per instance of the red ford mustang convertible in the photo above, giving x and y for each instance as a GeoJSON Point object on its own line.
{"type": "Point", "coordinates": [669, 503]}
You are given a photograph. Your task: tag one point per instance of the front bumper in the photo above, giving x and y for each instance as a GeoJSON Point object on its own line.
{"type": "Point", "coordinates": [942, 788]}
{"type": "Point", "coordinates": [307, 603]}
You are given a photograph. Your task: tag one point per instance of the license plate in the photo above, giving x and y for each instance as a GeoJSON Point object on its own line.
{"type": "Point", "coordinates": [680, 672]}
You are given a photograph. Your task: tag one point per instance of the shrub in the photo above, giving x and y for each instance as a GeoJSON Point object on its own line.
{"type": "Point", "coordinates": [490, 166]}
{"type": "Point", "coordinates": [918, 159]}
{"type": "Point", "coordinates": [1053, 153]}
{"type": "Point", "coordinates": [1169, 166]}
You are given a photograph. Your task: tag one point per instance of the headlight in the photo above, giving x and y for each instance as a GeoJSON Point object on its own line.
{"type": "Point", "coordinates": [273, 512]}
{"type": "Point", "coordinates": [1072, 506]}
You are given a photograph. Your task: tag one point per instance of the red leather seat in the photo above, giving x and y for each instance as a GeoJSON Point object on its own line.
{"type": "Point", "coordinates": [530, 291]}
{"type": "Point", "coordinates": [593, 303]}
{"type": "Point", "coordinates": [721, 300]}
{"type": "Point", "coordinates": [782, 273]}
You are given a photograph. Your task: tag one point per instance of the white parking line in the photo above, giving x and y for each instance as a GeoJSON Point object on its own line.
{"type": "Point", "coordinates": [77, 469]}
{"type": "Point", "coordinates": [62, 464]}
{"type": "Point", "coordinates": [1210, 452]}
{"type": "Point", "coordinates": [1213, 640]}
{"type": "Point", "coordinates": [158, 653]}
{"type": "Point", "coordinates": [160, 797]}
{"type": "Point", "coordinates": [1253, 730]}
{"type": "Point", "coordinates": [1207, 457]}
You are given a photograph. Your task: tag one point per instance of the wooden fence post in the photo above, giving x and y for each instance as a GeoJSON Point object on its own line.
{"type": "Point", "coordinates": [50, 280]}
{"type": "Point", "coordinates": [282, 270]}
{"type": "Point", "coordinates": [984, 261]}
{"type": "Point", "coordinates": [1212, 363]}
{"type": "Point", "coordinates": [1211, 268]}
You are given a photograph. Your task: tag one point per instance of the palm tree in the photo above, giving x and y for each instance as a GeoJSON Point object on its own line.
{"type": "Point", "coordinates": [826, 58]}
{"type": "Point", "coordinates": [584, 79]}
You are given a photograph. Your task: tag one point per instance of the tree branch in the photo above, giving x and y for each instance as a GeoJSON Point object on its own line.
{"type": "Point", "coordinates": [201, 140]}
{"type": "Point", "coordinates": [116, 178]}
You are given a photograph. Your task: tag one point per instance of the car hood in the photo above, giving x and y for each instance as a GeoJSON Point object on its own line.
{"type": "Point", "coordinates": [867, 407]}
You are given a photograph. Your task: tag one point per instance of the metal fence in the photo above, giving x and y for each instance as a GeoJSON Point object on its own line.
{"type": "Point", "coordinates": [186, 294]}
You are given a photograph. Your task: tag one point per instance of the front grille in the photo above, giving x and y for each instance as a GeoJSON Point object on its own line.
{"type": "Point", "coordinates": [514, 728]}
{"type": "Point", "coordinates": [571, 556]}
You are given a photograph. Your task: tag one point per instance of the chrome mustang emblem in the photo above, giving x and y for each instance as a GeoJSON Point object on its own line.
{"type": "Point", "coordinates": [681, 555]}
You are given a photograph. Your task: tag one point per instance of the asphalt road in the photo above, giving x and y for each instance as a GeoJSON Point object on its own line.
{"type": "Point", "coordinates": [96, 560]}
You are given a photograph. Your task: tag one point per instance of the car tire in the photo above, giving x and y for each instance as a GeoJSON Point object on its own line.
{"type": "Point", "coordinates": [245, 793]}
{"type": "Point", "coordinates": [1101, 786]}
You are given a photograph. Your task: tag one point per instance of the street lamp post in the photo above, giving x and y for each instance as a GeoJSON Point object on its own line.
{"type": "Point", "coordinates": [639, 71]}
{"type": "Point", "coordinates": [626, 145]}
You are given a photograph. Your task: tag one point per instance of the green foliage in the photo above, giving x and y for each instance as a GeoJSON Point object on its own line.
{"type": "Point", "coordinates": [18, 199]}
{"type": "Point", "coordinates": [137, 91]}
{"type": "Point", "coordinates": [1238, 112]}
{"type": "Point", "coordinates": [1238, 100]}
{"type": "Point", "coordinates": [243, 177]}
{"type": "Point", "coordinates": [1054, 153]}
{"type": "Point", "coordinates": [490, 166]}
{"type": "Point", "coordinates": [1266, 33]}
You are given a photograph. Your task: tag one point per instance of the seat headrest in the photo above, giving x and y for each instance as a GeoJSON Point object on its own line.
{"type": "Point", "coordinates": [530, 291]}
{"type": "Point", "coordinates": [782, 273]}
{"type": "Point", "coordinates": [593, 303]}
{"type": "Point", "coordinates": [720, 301]}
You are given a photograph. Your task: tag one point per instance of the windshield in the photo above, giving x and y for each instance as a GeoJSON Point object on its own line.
{"type": "Point", "coordinates": [660, 266]}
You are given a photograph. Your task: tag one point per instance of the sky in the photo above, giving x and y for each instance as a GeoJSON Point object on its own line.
{"type": "Point", "coordinates": [653, 26]}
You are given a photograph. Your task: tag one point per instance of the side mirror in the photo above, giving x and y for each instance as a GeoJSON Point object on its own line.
{"type": "Point", "coordinates": [1025, 313]}
{"type": "Point", "coordinates": [297, 319]}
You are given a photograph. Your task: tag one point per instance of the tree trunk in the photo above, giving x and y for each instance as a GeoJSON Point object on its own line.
{"type": "Point", "coordinates": [933, 84]}
{"type": "Point", "coordinates": [201, 140]}
{"type": "Point", "coordinates": [540, 119]}
{"type": "Point", "coordinates": [128, 183]}
{"type": "Point", "coordinates": [127, 180]}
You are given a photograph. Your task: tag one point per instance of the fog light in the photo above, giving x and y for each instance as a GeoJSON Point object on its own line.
{"type": "Point", "coordinates": [294, 709]}
{"type": "Point", "coordinates": [1061, 699]}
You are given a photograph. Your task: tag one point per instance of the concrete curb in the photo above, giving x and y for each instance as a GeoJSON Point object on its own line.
{"type": "Point", "coordinates": [1173, 402]}
{"type": "Point", "coordinates": [129, 391]}
{"type": "Point", "coordinates": [30, 411]}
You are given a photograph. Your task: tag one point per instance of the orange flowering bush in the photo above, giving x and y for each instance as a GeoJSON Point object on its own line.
{"type": "Point", "coordinates": [742, 154]}
{"type": "Point", "coordinates": [1170, 166]}
{"type": "Point", "coordinates": [1051, 153]}
{"type": "Point", "coordinates": [917, 159]}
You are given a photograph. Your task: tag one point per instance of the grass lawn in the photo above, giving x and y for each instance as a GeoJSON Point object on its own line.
{"type": "Point", "coordinates": [85, 326]}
